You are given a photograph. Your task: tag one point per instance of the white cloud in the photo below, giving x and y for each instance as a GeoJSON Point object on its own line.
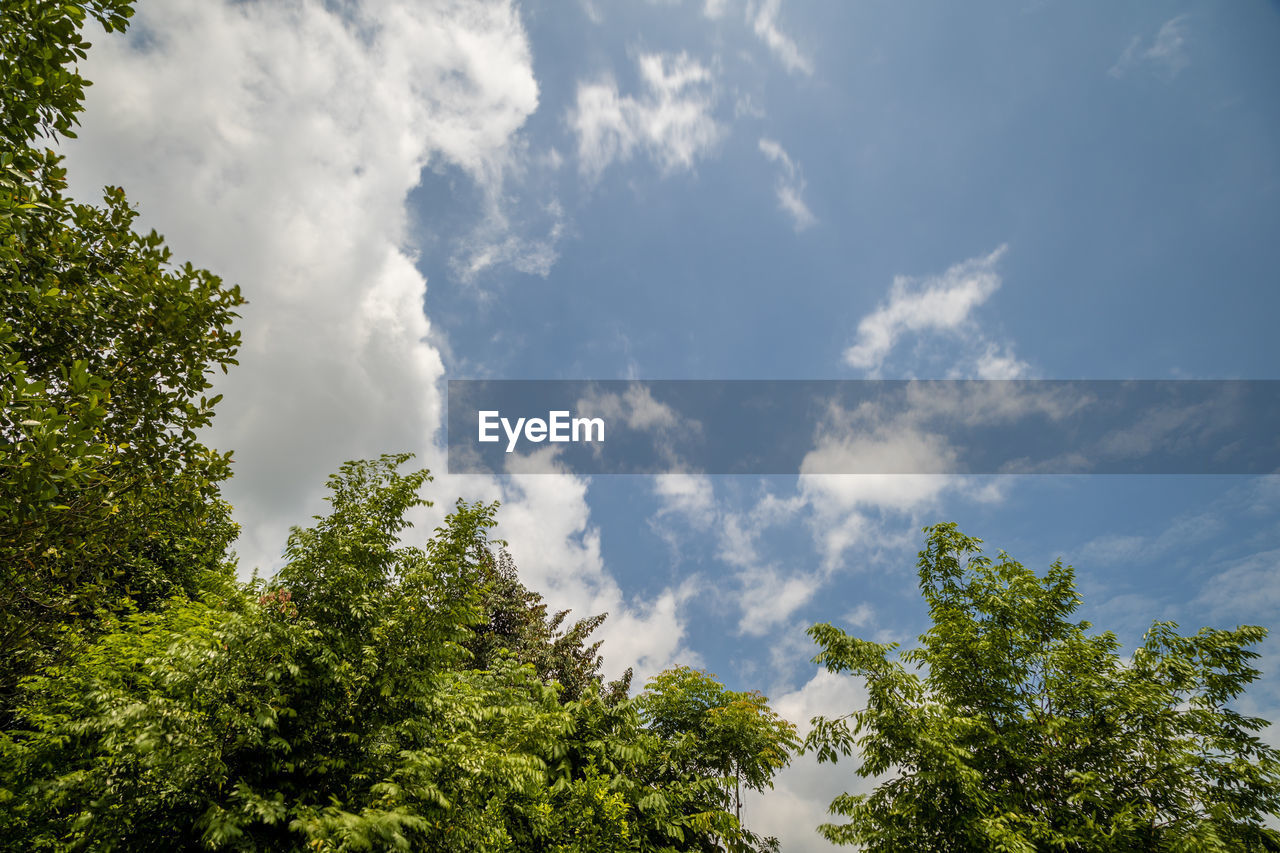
{"type": "Point", "coordinates": [936, 304]}
{"type": "Point", "coordinates": [281, 142]}
{"type": "Point", "coordinates": [798, 802]}
{"type": "Point", "coordinates": [671, 120]}
{"type": "Point", "coordinates": [764, 21]}
{"type": "Point", "coordinates": [547, 522]}
{"type": "Point", "coordinates": [498, 242]}
{"type": "Point", "coordinates": [636, 408]}
{"type": "Point", "coordinates": [879, 461]}
{"type": "Point", "coordinates": [769, 597]}
{"type": "Point", "coordinates": [997, 361]}
{"type": "Point", "coordinates": [789, 186]}
{"type": "Point", "coordinates": [1166, 51]}
{"type": "Point", "coordinates": [1245, 589]}
{"type": "Point", "coordinates": [689, 496]}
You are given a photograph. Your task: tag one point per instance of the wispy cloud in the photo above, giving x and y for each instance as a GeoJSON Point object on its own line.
{"type": "Point", "coordinates": [764, 21]}
{"type": "Point", "coordinates": [1167, 50]}
{"type": "Point", "coordinates": [714, 9]}
{"type": "Point", "coordinates": [789, 186]}
{"type": "Point", "coordinates": [937, 304]}
{"type": "Point", "coordinates": [671, 119]}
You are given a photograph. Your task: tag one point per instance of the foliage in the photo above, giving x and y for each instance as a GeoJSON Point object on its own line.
{"type": "Point", "coordinates": [40, 42]}
{"type": "Point", "coordinates": [1011, 728]}
{"type": "Point", "coordinates": [711, 730]}
{"type": "Point", "coordinates": [515, 620]}
{"type": "Point", "coordinates": [334, 708]}
{"type": "Point", "coordinates": [108, 502]}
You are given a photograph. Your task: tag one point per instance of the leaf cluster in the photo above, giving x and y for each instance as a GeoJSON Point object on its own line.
{"type": "Point", "coordinates": [109, 502]}
{"type": "Point", "coordinates": [337, 707]}
{"type": "Point", "coordinates": [1011, 727]}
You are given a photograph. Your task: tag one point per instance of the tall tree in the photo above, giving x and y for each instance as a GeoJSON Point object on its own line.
{"type": "Point", "coordinates": [108, 501]}
{"type": "Point", "coordinates": [712, 730]}
{"type": "Point", "coordinates": [515, 619]}
{"type": "Point", "coordinates": [1012, 728]}
{"type": "Point", "coordinates": [336, 708]}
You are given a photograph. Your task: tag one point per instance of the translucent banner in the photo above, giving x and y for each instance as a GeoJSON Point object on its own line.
{"type": "Point", "coordinates": [864, 426]}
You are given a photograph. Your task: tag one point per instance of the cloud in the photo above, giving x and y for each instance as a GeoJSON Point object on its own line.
{"type": "Point", "coordinates": [498, 242]}
{"type": "Point", "coordinates": [689, 496]}
{"type": "Point", "coordinates": [905, 463]}
{"type": "Point", "coordinates": [547, 522]}
{"type": "Point", "coordinates": [798, 802]}
{"type": "Point", "coordinates": [789, 186]}
{"type": "Point", "coordinates": [1166, 51]}
{"type": "Point", "coordinates": [671, 120]}
{"type": "Point", "coordinates": [769, 597]}
{"type": "Point", "coordinates": [1245, 589]}
{"type": "Point", "coordinates": [636, 408]}
{"type": "Point", "coordinates": [937, 304]}
{"type": "Point", "coordinates": [764, 21]}
{"type": "Point", "coordinates": [281, 142]}
{"type": "Point", "coordinates": [765, 595]}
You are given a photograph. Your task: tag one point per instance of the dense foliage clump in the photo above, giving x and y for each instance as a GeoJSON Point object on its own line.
{"type": "Point", "coordinates": [337, 706]}
{"type": "Point", "coordinates": [108, 501]}
{"type": "Point", "coordinates": [1012, 728]}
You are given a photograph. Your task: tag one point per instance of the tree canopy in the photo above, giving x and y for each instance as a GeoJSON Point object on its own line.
{"type": "Point", "coordinates": [109, 502]}
{"type": "Point", "coordinates": [337, 707]}
{"type": "Point", "coordinates": [1011, 727]}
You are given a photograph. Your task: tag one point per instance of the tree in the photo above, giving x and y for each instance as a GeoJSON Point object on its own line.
{"type": "Point", "coordinates": [109, 503]}
{"type": "Point", "coordinates": [372, 695]}
{"type": "Point", "coordinates": [711, 730]}
{"type": "Point", "coordinates": [1012, 728]}
{"type": "Point", "coordinates": [336, 707]}
{"type": "Point", "coordinates": [515, 620]}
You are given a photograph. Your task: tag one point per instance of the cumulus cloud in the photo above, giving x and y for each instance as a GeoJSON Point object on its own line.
{"type": "Point", "coordinates": [789, 186]}
{"type": "Point", "coordinates": [1166, 51]}
{"type": "Point", "coordinates": [764, 21]}
{"type": "Point", "coordinates": [670, 120]}
{"type": "Point", "coordinates": [798, 802]}
{"type": "Point", "coordinates": [277, 144]}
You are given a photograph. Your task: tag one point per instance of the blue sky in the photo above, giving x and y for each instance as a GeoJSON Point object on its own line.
{"type": "Point", "coordinates": [414, 191]}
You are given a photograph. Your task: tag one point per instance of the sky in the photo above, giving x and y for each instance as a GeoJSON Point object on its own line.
{"type": "Point", "coordinates": [410, 191]}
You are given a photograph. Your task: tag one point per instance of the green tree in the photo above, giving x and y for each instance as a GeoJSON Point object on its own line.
{"type": "Point", "coordinates": [1012, 728]}
{"type": "Point", "coordinates": [712, 730]}
{"type": "Point", "coordinates": [515, 619]}
{"type": "Point", "coordinates": [108, 501]}
{"type": "Point", "coordinates": [336, 707]}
